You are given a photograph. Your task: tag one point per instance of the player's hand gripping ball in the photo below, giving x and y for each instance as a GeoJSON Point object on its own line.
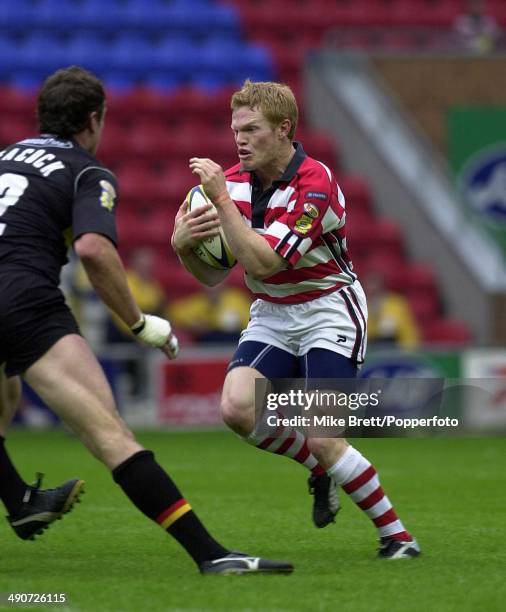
{"type": "Point", "coordinates": [214, 251]}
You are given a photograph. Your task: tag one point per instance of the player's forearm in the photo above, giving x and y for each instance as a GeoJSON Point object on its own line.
{"type": "Point", "coordinates": [250, 249]}
{"type": "Point", "coordinates": [107, 276]}
{"type": "Point", "coordinates": [201, 271]}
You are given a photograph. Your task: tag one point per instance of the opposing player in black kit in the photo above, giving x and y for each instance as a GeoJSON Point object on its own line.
{"type": "Point", "coordinates": [53, 193]}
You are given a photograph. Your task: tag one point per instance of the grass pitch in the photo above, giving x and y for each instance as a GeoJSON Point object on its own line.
{"type": "Point", "coordinates": [106, 556]}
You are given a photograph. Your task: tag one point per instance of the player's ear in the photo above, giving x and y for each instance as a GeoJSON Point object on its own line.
{"type": "Point", "coordinates": [94, 122]}
{"type": "Point", "coordinates": [284, 128]}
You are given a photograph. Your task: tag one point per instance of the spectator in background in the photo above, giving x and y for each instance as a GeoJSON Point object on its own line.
{"type": "Point", "coordinates": [214, 314]}
{"type": "Point", "coordinates": [390, 321]}
{"type": "Point", "coordinates": [477, 30]}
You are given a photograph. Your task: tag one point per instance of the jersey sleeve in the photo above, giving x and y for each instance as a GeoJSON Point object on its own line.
{"type": "Point", "coordinates": [317, 208]}
{"type": "Point", "coordinates": [94, 207]}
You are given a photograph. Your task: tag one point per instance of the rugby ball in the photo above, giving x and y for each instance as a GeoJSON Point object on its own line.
{"type": "Point", "coordinates": [215, 252]}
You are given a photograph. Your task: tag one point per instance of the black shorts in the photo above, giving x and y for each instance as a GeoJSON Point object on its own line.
{"type": "Point", "coordinates": [33, 317]}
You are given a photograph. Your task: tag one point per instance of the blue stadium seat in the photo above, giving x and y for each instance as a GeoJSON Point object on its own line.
{"type": "Point", "coordinates": [178, 58]}
{"type": "Point", "coordinates": [100, 16]}
{"type": "Point", "coordinates": [162, 81]}
{"type": "Point", "coordinates": [7, 45]}
{"type": "Point", "coordinates": [55, 16]}
{"type": "Point", "coordinates": [15, 16]}
{"type": "Point", "coordinates": [87, 50]}
{"type": "Point", "coordinates": [132, 54]}
{"type": "Point", "coordinates": [255, 63]}
{"type": "Point", "coordinates": [39, 54]}
{"type": "Point", "coordinates": [26, 80]}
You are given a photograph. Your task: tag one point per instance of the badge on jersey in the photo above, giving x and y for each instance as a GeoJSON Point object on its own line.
{"type": "Point", "coordinates": [108, 195]}
{"type": "Point", "coordinates": [311, 210]}
{"type": "Point", "coordinates": [303, 224]}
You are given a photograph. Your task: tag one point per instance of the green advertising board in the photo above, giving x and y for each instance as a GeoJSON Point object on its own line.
{"type": "Point", "coordinates": [477, 155]}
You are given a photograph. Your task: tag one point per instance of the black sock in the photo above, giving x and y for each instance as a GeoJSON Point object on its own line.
{"type": "Point", "coordinates": [12, 486]}
{"type": "Point", "coordinates": [151, 489]}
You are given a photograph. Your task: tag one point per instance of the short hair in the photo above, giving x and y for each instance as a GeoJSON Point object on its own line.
{"type": "Point", "coordinates": [67, 99]}
{"type": "Point", "coordinates": [275, 100]}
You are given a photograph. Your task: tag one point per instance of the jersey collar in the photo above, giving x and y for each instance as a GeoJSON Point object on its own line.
{"type": "Point", "coordinates": [260, 199]}
{"type": "Point", "coordinates": [291, 170]}
{"type": "Point", "coordinates": [295, 163]}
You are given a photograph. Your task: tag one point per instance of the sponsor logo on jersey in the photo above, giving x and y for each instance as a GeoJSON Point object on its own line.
{"type": "Point", "coordinates": [483, 182]}
{"type": "Point", "coordinates": [303, 224]}
{"type": "Point", "coordinates": [311, 210]}
{"type": "Point", "coordinates": [316, 195]}
{"type": "Point", "coordinates": [47, 141]}
{"type": "Point", "coordinates": [108, 195]}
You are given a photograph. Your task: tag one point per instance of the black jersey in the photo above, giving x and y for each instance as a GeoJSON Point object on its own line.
{"type": "Point", "coordinates": [51, 192]}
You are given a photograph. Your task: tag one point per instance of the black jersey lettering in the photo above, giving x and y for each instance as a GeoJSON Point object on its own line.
{"type": "Point", "coordinates": [48, 185]}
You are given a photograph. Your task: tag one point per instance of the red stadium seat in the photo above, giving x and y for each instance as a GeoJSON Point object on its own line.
{"type": "Point", "coordinates": [139, 184]}
{"type": "Point", "coordinates": [357, 193]}
{"type": "Point", "coordinates": [150, 142]}
{"type": "Point", "coordinates": [389, 238]}
{"type": "Point", "coordinates": [17, 104]}
{"type": "Point", "coordinates": [16, 129]}
{"type": "Point", "coordinates": [189, 103]}
{"type": "Point", "coordinates": [175, 180]}
{"type": "Point", "coordinates": [425, 306]}
{"type": "Point", "coordinates": [114, 146]}
{"type": "Point", "coordinates": [139, 102]}
{"type": "Point", "coordinates": [360, 232]}
{"type": "Point", "coordinates": [447, 331]}
{"type": "Point", "coordinates": [144, 229]}
{"type": "Point", "coordinates": [392, 268]}
{"type": "Point", "coordinates": [176, 281]}
{"type": "Point", "coordinates": [320, 146]}
{"type": "Point", "coordinates": [421, 277]}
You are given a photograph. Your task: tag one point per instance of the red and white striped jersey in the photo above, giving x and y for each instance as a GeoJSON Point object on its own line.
{"type": "Point", "coordinates": [302, 217]}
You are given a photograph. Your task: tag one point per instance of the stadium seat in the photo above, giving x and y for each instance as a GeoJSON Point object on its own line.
{"type": "Point", "coordinates": [360, 231]}
{"type": "Point", "coordinates": [87, 50]}
{"type": "Point", "coordinates": [138, 182]}
{"type": "Point", "coordinates": [356, 192]}
{"type": "Point", "coordinates": [175, 280]}
{"type": "Point", "coordinates": [425, 306]}
{"type": "Point", "coordinates": [16, 17]}
{"type": "Point", "coordinates": [40, 54]}
{"type": "Point", "coordinates": [133, 55]}
{"type": "Point", "coordinates": [15, 103]}
{"type": "Point", "coordinates": [152, 104]}
{"type": "Point", "coordinates": [15, 130]}
{"type": "Point", "coordinates": [389, 238]}
{"type": "Point", "coordinates": [447, 331]}
{"type": "Point", "coordinates": [320, 146]}
{"type": "Point", "coordinates": [100, 16]}
{"type": "Point", "coordinates": [149, 143]}
{"type": "Point", "coordinates": [421, 277]}
{"type": "Point", "coordinates": [174, 183]}
{"type": "Point", "coordinates": [114, 145]}
{"type": "Point", "coordinates": [56, 17]}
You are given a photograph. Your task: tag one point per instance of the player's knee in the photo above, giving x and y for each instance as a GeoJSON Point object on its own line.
{"type": "Point", "coordinates": [237, 414]}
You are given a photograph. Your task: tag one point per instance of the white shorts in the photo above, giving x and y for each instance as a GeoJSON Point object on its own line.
{"type": "Point", "coordinates": [337, 322]}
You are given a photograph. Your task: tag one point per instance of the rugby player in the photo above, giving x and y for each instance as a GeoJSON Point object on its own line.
{"type": "Point", "coordinates": [283, 215]}
{"type": "Point", "coordinates": [54, 192]}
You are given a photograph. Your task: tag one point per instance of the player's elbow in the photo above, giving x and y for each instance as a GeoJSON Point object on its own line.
{"type": "Point", "coordinates": [91, 248]}
{"type": "Point", "coordinates": [262, 270]}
